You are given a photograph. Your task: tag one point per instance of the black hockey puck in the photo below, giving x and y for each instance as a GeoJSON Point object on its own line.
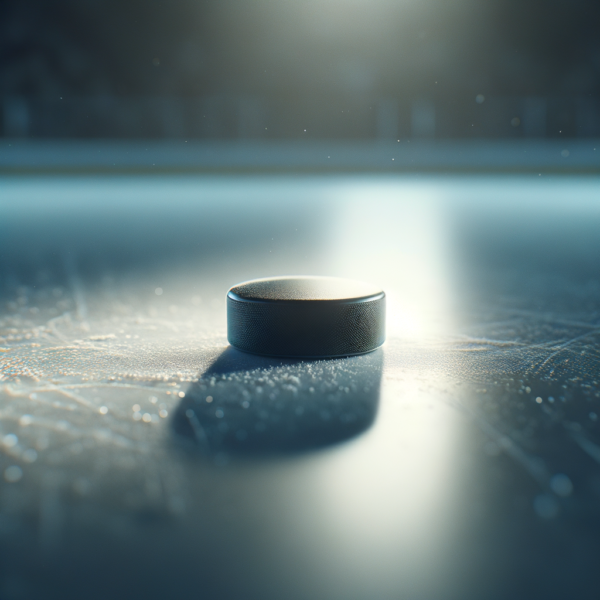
{"type": "Point", "coordinates": [305, 317]}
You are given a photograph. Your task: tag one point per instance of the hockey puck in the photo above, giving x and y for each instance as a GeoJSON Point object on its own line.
{"type": "Point", "coordinates": [305, 317]}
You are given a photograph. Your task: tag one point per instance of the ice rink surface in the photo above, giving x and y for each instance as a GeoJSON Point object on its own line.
{"type": "Point", "coordinates": [143, 457]}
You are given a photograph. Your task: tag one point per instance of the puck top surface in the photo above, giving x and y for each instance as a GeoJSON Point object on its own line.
{"type": "Point", "coordinates": [307, 317]}
{"type": "Point", "coordinates": [281, 289]}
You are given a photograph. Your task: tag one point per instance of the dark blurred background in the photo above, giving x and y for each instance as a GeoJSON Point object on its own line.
{"type": "Point", "coordinates": [315, 69]}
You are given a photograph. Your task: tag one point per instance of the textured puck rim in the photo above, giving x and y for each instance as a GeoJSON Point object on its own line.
{"type": "Point", "coordinates": [233, 296]}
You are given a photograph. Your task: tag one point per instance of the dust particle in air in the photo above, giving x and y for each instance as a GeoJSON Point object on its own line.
{"type": "Point", "coordinates": [561, 485]}
{"type": "Point", "coordinates": [10, 440]}
{"type": "Point", "coordinates": [13, 474]}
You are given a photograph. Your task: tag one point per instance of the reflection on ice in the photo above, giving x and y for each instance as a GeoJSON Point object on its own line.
{"type": "Point", "coordinates": [397, 240]}
{"type": "Point", "coordinates": [384, 505]}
